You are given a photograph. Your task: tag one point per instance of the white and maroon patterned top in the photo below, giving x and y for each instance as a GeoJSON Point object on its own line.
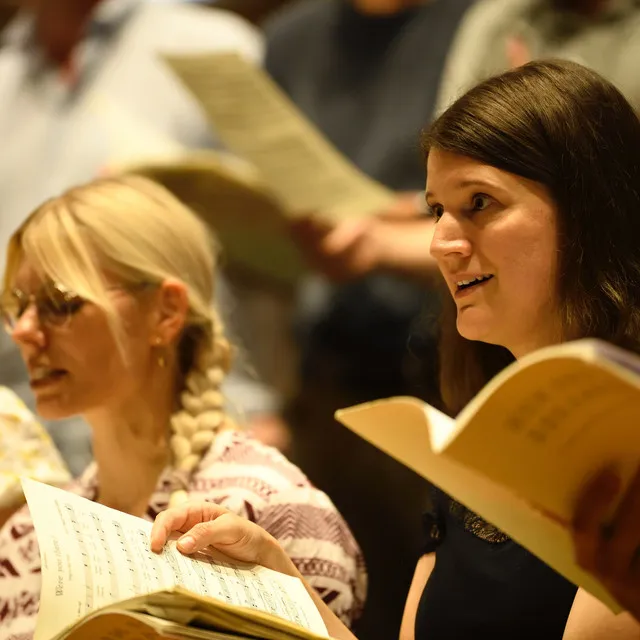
{"type": "Point", "coordinates": [247, 478]}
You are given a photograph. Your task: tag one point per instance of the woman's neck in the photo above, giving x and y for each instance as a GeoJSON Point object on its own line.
{"type": "Point", "coordinates": [131, 449]}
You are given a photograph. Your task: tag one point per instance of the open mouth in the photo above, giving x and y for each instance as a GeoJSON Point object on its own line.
{"type": "Point", "coordinates": [41, 377]}
{"type": "Point", "coordinates": [468, 284]}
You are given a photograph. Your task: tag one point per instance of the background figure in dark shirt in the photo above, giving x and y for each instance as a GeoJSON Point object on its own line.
{"type": "Point", "coordinates": [367, 74]}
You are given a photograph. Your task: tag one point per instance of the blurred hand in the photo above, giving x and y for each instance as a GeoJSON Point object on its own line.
{"type": "Point", "coordinates": [205, 524]}
{"type": "Point", "coordinates": [272, 431]}
{"type": "Point", "coordinates": [610, 548]}
{"type": "Point", "coordinates": [340, 251]}
{"type": "Point", "coordinates": [518, 53]}
{"type": "Point", "coordinates": [396, 240]}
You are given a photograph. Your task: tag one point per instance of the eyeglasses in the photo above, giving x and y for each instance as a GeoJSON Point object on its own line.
{"type": "Point", "coordinates": [54, 303]}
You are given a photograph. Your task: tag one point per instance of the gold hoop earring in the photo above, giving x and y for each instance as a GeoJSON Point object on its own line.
{"type": "Point", "coordinates": [162, 363]}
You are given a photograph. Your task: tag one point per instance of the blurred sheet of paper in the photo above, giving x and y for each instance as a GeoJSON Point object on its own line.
{"type": "Point", "coordinates": [130, 138]}
{"type": "Point", "coordinates": [229, 194]}
{"type": "Point", "coordinates": [256, 121]}
{"type": "Point", "coordinates": [233, 200]}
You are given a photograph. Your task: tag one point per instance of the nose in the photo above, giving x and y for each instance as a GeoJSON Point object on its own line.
{"type": "Point", "coordinates": [27, 332]}
{"type": "Point", "coordinates": [450, 239]}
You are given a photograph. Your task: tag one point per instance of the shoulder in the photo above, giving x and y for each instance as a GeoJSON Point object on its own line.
{"type": "Point", "coordinates": [489, 12]}
{"type": "Point", "coordinates": [188, 28]}
{"type": "Point", "coordinates": [290, 28]}
{"type": "Point", "coordinates": [298, 18]}
{"type": "Point", "coordinates": [279, 494]}
{"type": "Point", "coordinates": [26, 449]}
{"type": "Point", "coordinates": [237, 463]}
{"type": "Point", "coordinates": [19, 552]}
{"type": "Point", "coordinates": [19, 576]}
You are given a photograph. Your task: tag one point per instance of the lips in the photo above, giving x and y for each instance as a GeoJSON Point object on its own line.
{"type": "Point", "coordinates": [470, 282]}
{"type": "Point", "coordinates": [40, 376]}
{"type": "Point", "coordinates": [464, 287]}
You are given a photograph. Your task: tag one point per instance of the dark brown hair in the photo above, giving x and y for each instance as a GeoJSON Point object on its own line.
{"type": "Point", "coordinates": [566, 127]}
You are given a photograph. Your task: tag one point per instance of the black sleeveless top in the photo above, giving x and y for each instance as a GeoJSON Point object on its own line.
{"type": "Point", "coordinates": [484, 585]}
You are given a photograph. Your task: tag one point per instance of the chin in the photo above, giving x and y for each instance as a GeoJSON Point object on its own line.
{"type": "Point", "coordinates": [475, 331]}
{"type": "Point", "coordinates": [55, 409]}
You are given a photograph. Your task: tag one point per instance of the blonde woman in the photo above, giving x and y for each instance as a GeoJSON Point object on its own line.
{"type": "Point", "coordinates": [108, 294]}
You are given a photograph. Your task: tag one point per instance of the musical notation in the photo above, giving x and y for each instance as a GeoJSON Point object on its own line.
{"type": "Point", "coordinates": [94, 556]}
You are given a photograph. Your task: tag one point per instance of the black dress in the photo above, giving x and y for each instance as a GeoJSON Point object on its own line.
{"type": "Point", "coordinates": [484, 585]}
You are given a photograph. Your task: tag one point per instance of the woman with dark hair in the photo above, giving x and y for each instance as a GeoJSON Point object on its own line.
{"type": "Point", "coordinates": [534, 180]}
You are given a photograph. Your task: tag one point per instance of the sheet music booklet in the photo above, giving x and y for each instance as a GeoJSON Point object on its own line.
{"type": "Point", "coordinates": [520, 452]}
{"type": "Point", "coordinates": [101, 581]}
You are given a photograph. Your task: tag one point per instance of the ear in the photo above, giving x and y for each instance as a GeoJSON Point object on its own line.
{"type": "Point", "coordinates": [172, 308]}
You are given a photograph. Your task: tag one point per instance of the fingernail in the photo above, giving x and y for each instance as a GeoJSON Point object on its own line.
{"type": "Point", "coordinates": [187, 544]}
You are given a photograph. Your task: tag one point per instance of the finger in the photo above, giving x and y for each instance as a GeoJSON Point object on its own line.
{"type": "Point", "coordinates": [309, 229]}
{"type": "Point", "coordinates": [517, 52]}
{"type": "Point", "coordinates": [619, 552]}
{"type": "Point", "coordinates": [626, 593]}
{"type": "Point", "coordinates": [408, 206]}
{"type": "Point", "coordinates": [591, 510]}
{"type": "Point", "coordinates": [228, 533]}
{"type": "Point", "coordinates": [346, 237]}
{"type": "Point", "coordinates": [181, 519]}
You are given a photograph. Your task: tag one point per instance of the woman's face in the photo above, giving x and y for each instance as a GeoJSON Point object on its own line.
{"type": "Point", "coordinates": [74, 361]}
{"type": "Point", "coordinates": [496, 245]}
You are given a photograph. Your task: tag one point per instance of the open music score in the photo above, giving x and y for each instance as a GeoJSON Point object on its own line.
{"type": "Point", "coordinates": [94, 556]}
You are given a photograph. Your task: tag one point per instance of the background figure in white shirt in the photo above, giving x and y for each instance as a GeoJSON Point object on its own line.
{"type": "Point", "coordinates": [497, 35]}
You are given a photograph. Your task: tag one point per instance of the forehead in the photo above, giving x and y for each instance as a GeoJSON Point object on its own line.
{"type": "Point", "coordinates": [449, 174]}
{"type": "Point", "coordinates": [446, 170]}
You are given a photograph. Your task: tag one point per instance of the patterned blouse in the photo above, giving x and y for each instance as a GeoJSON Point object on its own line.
{"type": "Point", "coordinates": [246, 477]}
{"type": "Point", "coordinates": [26, 449]}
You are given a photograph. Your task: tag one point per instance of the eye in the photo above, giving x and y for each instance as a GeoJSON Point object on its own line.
{"type": "Point", "coordinates": [480, 202]}
{"type": "Point", "coordinates": [435, 210]}
{"type": "Point", "coordinates": [59, 303]}
{"type": "Point", "coordinates": [17, 304]}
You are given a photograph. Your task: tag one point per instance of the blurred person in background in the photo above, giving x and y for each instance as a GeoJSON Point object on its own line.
{"type": "Point", "coordinates": [71, 72]}
{"type": "Point", "coordinates": [500, 34]}
{"type": "Point", "coordinates": [366, 73]}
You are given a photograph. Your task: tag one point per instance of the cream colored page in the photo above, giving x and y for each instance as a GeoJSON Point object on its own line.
{"type": "Point", "coordinates": [93, 556]}
{"type": "Point", "coordinates": [259, 123]}
{"type": "Point", "coordinates": [400, 427]}
{"type": "Point", "coordinates": [131, 139]}
{"type": "Point", "coordinates": [131, 626]}
{"type": "Point", "coordinates": [544, 431]}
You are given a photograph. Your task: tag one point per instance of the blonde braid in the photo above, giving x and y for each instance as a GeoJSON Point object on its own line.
{"type": "Point", "coordinates": [201, 416]}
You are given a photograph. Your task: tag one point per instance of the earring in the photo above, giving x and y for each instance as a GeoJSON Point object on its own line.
{"type": "Point", "coordinates": [161, 360]}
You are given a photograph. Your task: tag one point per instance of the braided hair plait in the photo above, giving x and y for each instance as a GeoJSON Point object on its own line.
{"type": "Point", "coordinates": [207, 358]}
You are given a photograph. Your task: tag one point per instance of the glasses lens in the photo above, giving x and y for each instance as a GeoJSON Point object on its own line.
{"type": "Point", "coordinates": [58, 304]}
{"type": "Point", "coordinates": [12, 306]}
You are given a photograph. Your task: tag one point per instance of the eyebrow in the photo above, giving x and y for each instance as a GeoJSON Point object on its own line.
{"type": "Point", "coordinates": [463, 184]}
